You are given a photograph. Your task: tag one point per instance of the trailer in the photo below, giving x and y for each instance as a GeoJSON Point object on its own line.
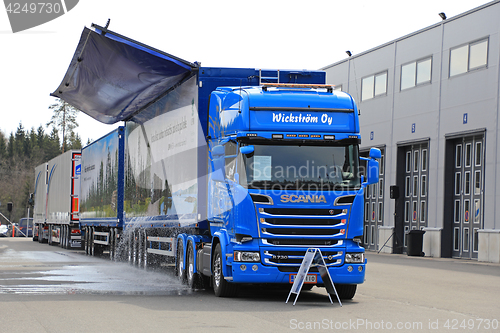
{"type": "Point", "coordinates": [229, 174]}
{"type": "Point", "coordinates": [56, 196]}
{"type": "Point", "coordinates": [101, 194]}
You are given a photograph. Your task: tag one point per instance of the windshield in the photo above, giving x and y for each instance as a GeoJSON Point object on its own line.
{"type": "Point", "coordinates": [308, 168]}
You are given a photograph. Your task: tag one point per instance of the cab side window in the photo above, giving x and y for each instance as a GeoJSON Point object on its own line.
{"type": "Point", "coordinates": [231, 149]}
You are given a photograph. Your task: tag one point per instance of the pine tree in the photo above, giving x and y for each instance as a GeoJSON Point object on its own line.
{"type": "Point", "coordinates": [64, 118]}
{"type": "Point", "coordinates": [74, 141]}
{"type": "Point", "coordinates": [3, 146]}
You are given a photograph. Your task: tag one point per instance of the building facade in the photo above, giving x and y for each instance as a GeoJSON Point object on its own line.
{"type": "Point", "coordinates": [430, 102]}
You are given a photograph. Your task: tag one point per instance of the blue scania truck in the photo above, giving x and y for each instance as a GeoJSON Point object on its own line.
{"type": "Point", "coordinates": [228, 174]}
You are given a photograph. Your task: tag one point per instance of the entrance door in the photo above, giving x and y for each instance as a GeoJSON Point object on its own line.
{"type": "Point", "coordinates": [374, 206]}
{"type": "Point", "coordinates": [415, 187]}
{"type": "Point", "coordinates": [467, 195]}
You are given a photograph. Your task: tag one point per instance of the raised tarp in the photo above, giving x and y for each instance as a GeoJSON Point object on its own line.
{"type": "Point", "coordinates": [112, 77]}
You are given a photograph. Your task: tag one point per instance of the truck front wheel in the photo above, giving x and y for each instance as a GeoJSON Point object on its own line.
{"type": "Point", "coordinates": [346, 291]}
{"type": "Point", "coordinates": [222, 288]}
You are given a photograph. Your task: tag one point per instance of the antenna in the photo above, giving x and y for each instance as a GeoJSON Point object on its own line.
{"type": "Point", "coordinates": [349, 53]}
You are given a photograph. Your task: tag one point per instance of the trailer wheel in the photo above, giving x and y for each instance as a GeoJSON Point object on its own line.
{"type": "Point", "coordinates": [194, 280]}
{"type": "Point", "coordinates": [179, 267]}
{"type": "Point", "coordinates": [140, 249]}
{"type": "Point", "coordinates": [91, 242]}
{"type": "Point", "coordinates": [346, 291]}
{"type": "Point", "coordinates": [61, 237]}
{"type": "Point", "coordinates": [112, 248]}
{"type": "Point", "coordinates": [222, 288]}
{"type": "Point", "coordinates": [135, 240]}
{"type": "Point", "coordinates": [86, 240]}
{"type": "Point", "coordinates": [128, 246]}
{"type": "Point", "coordinates": [64, 240]}
{"type": "Point", "coordinates": [40, 233]}
{"type": "Point", "coordinates": [144, 250]}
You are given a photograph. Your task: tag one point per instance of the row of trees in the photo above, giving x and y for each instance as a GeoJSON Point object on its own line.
{"type": "Point", "coordinates": [23, 150]}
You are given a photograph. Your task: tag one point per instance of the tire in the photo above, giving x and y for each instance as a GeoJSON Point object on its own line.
{"type": "Point", "coordinates": [179, 262]}
{"type": "Point", "coordinates": [140, 249]}
{"type": "Point", "coordinates": [35, 237]}
{"type": "Point", "coordinates": [66, 235]}
{"type": "Point", "coordinates": [61, 235]}
{"type": "Point", "coordinates": [40, 234]}
{"type": "Point", "coordinates": [128, 246]}
{"type": "Point", "coordinates": [346, 291]}
{"type": "Point", "coordinates": [222, 288]}
{"type": "Point", "coordinates": [307, 287]}
{"type": "Point", "coordinates": [91, 242]}
{"type": "Point", "coordinates": [194, 280]}
{"type": "Point", "coordinates": [145, 254]}
{"type": "Point", "coordinates": [86, 241]}
{"type": "Point", "coordinates": [112, 247]}
{"type": "Point", "coordinates": [49, 236]}
{"type": "Point", "coordinates": [135, 240]}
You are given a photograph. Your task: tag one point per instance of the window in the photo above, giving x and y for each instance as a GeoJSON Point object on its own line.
{"type": "Point", "coordinates": [231, 149]}
{"type": "Point", "coordinates": [374, 85]}
{"type": "Point", "coordinates": [468, 57]}
{"type": "Point", "coordinates": [415, 73]}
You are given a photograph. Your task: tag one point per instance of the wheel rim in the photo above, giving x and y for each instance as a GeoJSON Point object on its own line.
{"type": "Point", "coordinates": [190, 264]}
{"type": "Point", "coordinates": [180, 261]}
{"type": "Point", "coordinates": [217, 270]}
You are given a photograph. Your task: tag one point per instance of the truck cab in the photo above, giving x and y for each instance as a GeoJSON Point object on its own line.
{"type": "Point", "coordinates": [285, 177]}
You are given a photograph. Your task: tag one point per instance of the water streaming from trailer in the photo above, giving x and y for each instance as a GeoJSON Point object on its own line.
{"type": "Point", "coordinates": [71, 272]}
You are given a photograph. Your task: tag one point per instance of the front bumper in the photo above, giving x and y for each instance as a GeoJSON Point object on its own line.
{"type": "Point", "coordinates": [268, 274]}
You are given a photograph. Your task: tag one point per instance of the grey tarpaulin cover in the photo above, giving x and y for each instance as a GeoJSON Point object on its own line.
{"type": "Point", "coordinates": [112, 77]}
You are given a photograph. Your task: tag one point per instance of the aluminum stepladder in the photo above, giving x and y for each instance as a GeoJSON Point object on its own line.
{"type": "Point", "coordinates": [313, 258]}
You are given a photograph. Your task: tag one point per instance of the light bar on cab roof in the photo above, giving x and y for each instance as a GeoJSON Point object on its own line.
{"type": "Point", "coordinates": [328, 87]}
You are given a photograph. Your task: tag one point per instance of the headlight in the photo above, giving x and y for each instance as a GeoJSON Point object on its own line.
{"type": "Point", "coordinates": [354, 258]}
{"type": "Point", "coordinates": [246, 256]}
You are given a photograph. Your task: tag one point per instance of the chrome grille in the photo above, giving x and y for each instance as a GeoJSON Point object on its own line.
{"type": "Point", "coordinates": [294, 258]}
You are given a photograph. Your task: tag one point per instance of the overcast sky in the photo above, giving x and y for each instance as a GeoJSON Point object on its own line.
{"type": "Point", "coordinates": [271, 34]}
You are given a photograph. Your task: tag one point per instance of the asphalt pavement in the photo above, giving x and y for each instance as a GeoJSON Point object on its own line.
{"type": "Point", "coordinates": [48, 289]}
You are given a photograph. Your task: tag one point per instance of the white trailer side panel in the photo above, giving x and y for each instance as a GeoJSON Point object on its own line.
{"type": "Point", "coordinates": [63, 188]}
{"type": "Point", "coordinates": [40, 194]}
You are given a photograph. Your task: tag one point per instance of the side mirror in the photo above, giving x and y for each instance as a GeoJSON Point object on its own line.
{"type": "Point", "coordinates": [372, 167]}
{"type": "Point", "coordinates": [247, 150]}
{"type": "Point", "coordinates": [375, 153]}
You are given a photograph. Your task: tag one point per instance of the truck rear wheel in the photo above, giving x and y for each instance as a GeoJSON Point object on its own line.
{"type": "Point", "coordinates": [346, 291]}
{"type": "Point", "coordinates": [222, 288]}
{"type": "Point", "coordinates": [179, 266]}
{"type": "Point", "coordinates": [194, 280]}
